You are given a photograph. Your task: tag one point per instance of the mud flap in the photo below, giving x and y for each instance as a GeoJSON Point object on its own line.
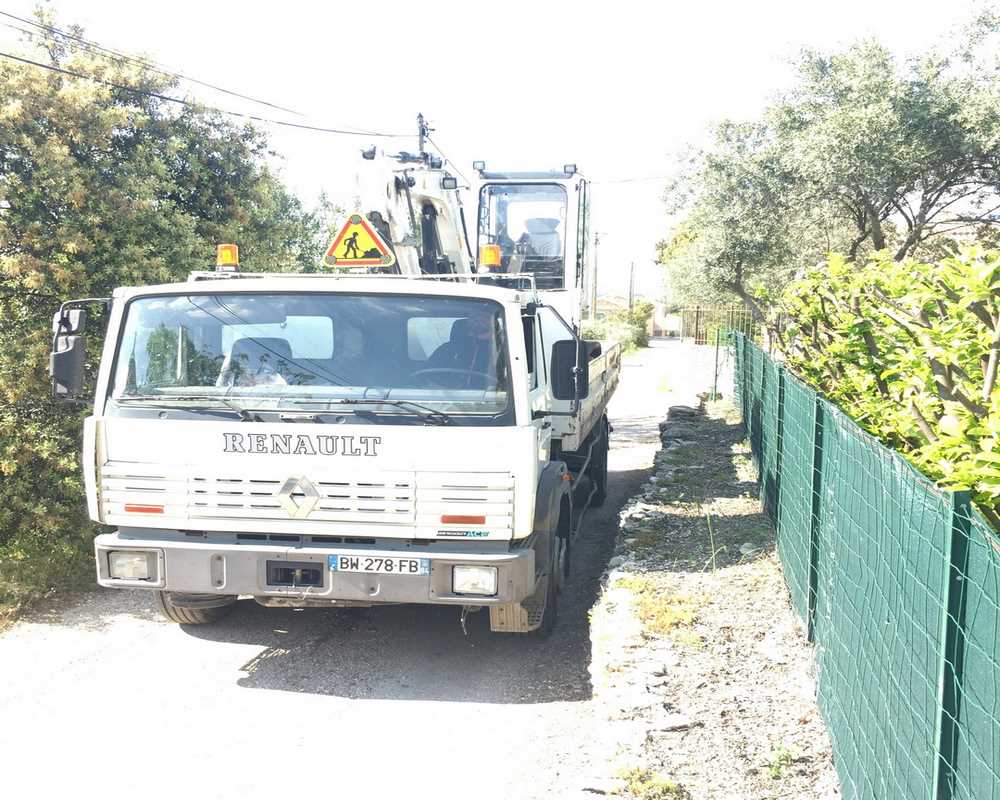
{"type": "Point", "coordinates": [523, 617]}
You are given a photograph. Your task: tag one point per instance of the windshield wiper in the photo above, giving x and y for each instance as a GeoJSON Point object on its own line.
{"type": "Point", "coordinates": [245, 414]}
{"type": "Point", "coordinates": [430, 416]}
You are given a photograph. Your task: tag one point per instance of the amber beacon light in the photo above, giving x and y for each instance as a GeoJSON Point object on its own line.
{"type": "Point", "coordinates": [227, 258]}
{"type": "Point", "coordinates": [489, 257]}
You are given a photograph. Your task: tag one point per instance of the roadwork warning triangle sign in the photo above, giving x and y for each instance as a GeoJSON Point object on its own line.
{"type": "Point", "coordinates": [358, 245]}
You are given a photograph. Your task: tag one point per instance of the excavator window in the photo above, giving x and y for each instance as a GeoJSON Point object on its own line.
{"type": "Point", "coordinates": [528, 222]}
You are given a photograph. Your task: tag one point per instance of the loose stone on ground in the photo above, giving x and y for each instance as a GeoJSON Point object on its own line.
{"type": "Point", "coordinates": [703, 678]}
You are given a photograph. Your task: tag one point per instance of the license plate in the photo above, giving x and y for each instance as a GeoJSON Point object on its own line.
{"type": "Point", "coordinates": [381, 565]}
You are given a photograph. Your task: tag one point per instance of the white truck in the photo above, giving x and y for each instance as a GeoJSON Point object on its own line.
{"type": "Point", "coordinates": [430, 435]}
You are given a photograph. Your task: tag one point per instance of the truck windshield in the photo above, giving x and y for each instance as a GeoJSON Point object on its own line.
{"type": "Point", "coordinates": [528, 222]}
{"type": "Point", "coordinates": [295, 351]}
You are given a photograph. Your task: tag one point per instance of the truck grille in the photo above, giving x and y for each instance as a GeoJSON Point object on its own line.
{"type": "Point", "coordinates": [387, 498]}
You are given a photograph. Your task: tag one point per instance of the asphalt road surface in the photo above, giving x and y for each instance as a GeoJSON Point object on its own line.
{"type": "Point", "coordinates": [100, 697]}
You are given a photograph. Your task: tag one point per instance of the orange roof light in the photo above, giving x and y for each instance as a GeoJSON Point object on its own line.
{"type": "Point", "coordinates": [227, 258]}
{"type": "Point", "coordinates": [489, 255]}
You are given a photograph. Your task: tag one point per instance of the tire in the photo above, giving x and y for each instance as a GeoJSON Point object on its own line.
{"type": "Point", "coordinates": [598, 470]}
{"type": "Point", "coordinates": [566, 556]}
{"type": "Point", "coordinates": [564, 541]}
{"type": "Point", "coordinates": [184, 615]}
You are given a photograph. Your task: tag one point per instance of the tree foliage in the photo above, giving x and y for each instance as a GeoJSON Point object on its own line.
{"type": "Point", "coordinates": [101, 187]}
{"type": "Point", "coordinates": [912, 351]}
{"type": "Point", "coordinates": [737, 227]}
{"type": "Point", "coordinates": [890, 148]}
{"type": "Point", "coordinates": [628, 326]}
{"type": "Point", "coordinates": [863, 154]}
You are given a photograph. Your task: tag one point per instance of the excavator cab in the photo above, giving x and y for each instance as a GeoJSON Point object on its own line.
{"type": "Point", "coordinates": [537, 224]}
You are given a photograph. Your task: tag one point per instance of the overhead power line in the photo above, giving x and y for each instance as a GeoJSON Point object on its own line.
{"type": "Point", "coordinates": [636, 180]}
{"type": "Point", "coordinates": [52, 32]}
{"type": "Point", "coordinates": [449, 161]}
{"type": "Point", "coordinates": [189, 104]}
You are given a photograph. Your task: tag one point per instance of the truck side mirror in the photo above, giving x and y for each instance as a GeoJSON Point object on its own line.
{"type": "Point", "coordinates": [70, 322]}
{"type": "Point", "coordinates": [68, 354]}
{"type": "Point", "coordinates": [570, 369]}
{"type": "Point", "coordinates": [66, 367]}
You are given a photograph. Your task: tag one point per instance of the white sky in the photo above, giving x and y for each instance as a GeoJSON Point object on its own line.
{"type": "Point", "coordinates": [618, 88]}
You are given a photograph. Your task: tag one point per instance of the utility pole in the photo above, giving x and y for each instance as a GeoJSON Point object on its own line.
{"type": "Point", "coordinates": [593, 283]}
{"type": "Point", "coordinates": [422, 130]}
{"type": "Point", "coordinates": [631, 285]}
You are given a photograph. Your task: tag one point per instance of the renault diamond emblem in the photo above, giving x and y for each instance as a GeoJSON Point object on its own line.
{"type": "Point", "coordinates": [298, 507]}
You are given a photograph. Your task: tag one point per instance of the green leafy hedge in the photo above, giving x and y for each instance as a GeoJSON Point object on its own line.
{"type": "Point", "coordinates": [629, 327]}
{"type": "Point", "coordinates": [912, 351]}
{"type": "Point", "coordinates": [101, 187]}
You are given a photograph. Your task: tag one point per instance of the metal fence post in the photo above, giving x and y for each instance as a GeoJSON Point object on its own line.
{"type": "Point", "coordinates": [743, 377]}
{"type": "Point", "coordinates": [743, 372]}
{"type": "Point", "coordinates": [715, 380]}
{"type": "Point", "coordinates": [951, 666]}
{"type": "Point", "coordinates": [812, 578]}
{"type": "Point", "coordinates": [763, 374]}
{"type": "Point", "coordinates": [778, 447]}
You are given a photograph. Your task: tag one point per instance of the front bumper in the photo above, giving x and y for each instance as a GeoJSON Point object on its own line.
{"type": "Point", "coordinates": [208, 568]}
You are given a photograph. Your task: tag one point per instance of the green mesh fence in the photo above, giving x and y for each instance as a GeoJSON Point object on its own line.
{"type": "Point", "coordinates": [899, 585]}
{"type": "Point", "coordinates": [739, 379]}
{"type": "Point", "coordinates": [770, 434]}
{"type": "Point", "coordinates": [971, 729]}
{"type": "Point", "coordinates": [797, 493]}
{"type": "Point", "coordinates": [755, 406]}
{"type": "Point", "coordinates": [882, 542]}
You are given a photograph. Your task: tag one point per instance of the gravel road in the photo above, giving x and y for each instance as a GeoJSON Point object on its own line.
{"type": "Point", "coordinates": [99, 696]}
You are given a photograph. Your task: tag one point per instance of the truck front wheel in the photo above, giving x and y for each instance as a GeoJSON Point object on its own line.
{"type": "Point", "coordinates": [193, 609]}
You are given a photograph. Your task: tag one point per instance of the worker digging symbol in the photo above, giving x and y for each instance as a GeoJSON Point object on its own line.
{"type": "Point", "coordinates": [352, 245]}
{"type": "Point", "coordinates": [358, 244]}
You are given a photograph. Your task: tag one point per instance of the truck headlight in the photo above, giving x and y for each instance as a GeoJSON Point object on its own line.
{"type": "Point", "coordinates": [474, 580]}
{"type": "Point", "coordinates": [129, 566]}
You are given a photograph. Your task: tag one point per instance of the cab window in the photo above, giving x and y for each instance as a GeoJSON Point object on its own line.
{"type": "Point", "coordinates": [528, 223]}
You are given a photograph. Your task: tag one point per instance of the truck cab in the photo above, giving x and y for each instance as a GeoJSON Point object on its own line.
{"type": "Point", "coordinates": [537, 224]}
{"type": "Point", "coordinates": [338, 439]}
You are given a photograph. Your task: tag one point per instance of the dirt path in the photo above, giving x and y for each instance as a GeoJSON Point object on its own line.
{"type": "Point", "coordinates": [368, 703]}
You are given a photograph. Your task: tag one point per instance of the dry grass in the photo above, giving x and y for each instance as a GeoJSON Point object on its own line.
{"type": "Point", "coordinates": [642, 784]}
{"type": "Point", "coordinates": [8, 613]}
{"type": "Point", "coordinates": [663, 610]}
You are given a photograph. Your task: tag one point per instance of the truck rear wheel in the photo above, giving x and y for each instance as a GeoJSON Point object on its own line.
{"type": "Point", "coordinates": [193, 609]}
{"type": "Point", "coordinates": [598, 469]}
